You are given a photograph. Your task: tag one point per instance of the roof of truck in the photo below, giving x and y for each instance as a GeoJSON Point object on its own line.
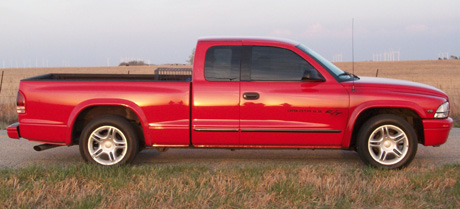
{"type": "Point", "coordinates": [248, 39]}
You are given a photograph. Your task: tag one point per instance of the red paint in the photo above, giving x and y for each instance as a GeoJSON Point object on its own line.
{"type": "Point", "coordinates": [52, 110]}
{"type": "Point", "coordinates": [294, 105]}
{"type": "Point", "coordinates": [436, 131]}
{"type": "Point", "coordinates": [215, 114]}
{"type": "Point", "coordinates": [215, 104]}
{"type": "Point", "coordinates": [12, 131]}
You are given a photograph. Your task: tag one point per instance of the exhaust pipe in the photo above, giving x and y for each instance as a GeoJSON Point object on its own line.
{"type": "Point", "coordinates": [42, 147]}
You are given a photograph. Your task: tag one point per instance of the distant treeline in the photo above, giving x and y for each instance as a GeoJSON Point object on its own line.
{"type": "Point", "coordinates": [133, 63]}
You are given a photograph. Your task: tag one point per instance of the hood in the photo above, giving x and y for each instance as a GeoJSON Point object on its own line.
{"type": "Point", "coordinates": [396, 85]}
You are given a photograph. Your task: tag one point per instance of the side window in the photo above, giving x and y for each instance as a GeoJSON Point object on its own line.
{"type": "Point", "coordinates": [278, 64]}
{"type": "Point", "coordinates": [222, 63]}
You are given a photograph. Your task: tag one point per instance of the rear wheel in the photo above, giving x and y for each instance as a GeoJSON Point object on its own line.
{"type": "Point", "coordinates": [109, 140]}
{"type": "Point", "coordinates": [387, 141]}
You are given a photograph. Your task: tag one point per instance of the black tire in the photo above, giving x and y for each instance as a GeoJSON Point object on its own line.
{"type": "Point", "coordinates": [396, 136]}
{"type": "Point", "coordinates": [109, 141]}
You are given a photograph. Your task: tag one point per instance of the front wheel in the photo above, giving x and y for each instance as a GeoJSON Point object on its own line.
{"type": "Point", "coordinates": [109, 140]}
{"type": "Point", "coordinates": [387, 141]}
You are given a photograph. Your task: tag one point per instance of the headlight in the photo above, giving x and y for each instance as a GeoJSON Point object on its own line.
{"type": "Point", "coordinates": [442, 111]}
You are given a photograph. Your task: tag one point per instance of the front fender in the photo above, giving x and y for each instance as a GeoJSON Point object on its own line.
{"type": "Point", "coordinates": [358, 110]}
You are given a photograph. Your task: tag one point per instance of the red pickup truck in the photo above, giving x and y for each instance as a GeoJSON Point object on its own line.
{"type": "Point", "coordinates": [244, 93]}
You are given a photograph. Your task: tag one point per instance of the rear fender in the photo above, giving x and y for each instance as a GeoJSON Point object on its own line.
{"type": "Point", "coordinates": [107, 102]}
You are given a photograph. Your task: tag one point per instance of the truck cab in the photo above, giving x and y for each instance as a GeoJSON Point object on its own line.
{"type": "Point", "coordinates": [254, 92]}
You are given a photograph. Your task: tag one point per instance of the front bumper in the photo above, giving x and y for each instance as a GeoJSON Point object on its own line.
{"type": "Point", "coordinates": [436, 131]}
{"type": "Point", "coordinates": [13, 131]}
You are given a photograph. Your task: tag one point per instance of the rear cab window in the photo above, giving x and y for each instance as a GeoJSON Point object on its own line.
{"type": "Point", "coordinates": [222, 63]}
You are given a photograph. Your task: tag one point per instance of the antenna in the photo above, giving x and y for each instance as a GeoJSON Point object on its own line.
{"type": "Point", "coordinates": [353, 52]}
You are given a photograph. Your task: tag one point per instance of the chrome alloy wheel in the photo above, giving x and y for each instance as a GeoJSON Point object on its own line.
{"type": "Point", "coordinates": [107, 145]}
{"type": "Point", "coordinates": [388, 144]}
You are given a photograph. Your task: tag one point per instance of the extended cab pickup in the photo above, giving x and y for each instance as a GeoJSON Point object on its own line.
{"type": "Point", "coordinates": [245, 93]}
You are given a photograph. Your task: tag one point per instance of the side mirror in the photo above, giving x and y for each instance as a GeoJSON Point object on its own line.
{"type": "Point", "coordinates": [311, 75]}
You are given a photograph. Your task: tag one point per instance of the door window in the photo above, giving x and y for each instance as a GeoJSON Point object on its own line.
{"type": "Point", "coordinates": [278, 64]}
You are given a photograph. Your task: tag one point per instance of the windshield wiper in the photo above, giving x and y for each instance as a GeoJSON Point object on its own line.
{"type": "Point", "coordinates": [348, 74]}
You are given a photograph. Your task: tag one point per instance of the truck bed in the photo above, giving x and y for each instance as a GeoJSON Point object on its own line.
{"type": "Point", "coordinates": [161, 74]}
{"type": "Point", "coordinates": [163, 108]}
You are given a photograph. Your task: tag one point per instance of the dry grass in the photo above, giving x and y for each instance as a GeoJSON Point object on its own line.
{"type": "Point", "coordinates": [442, 74]}
{"type": "Point", "coordinates": [230, 186]}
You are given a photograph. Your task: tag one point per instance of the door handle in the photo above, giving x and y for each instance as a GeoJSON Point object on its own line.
{"type": "Point", "coordinates": [251, 96]}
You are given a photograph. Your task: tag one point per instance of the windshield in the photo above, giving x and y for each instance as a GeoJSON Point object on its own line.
{"type": "Point", "coordinates": [339, 74]}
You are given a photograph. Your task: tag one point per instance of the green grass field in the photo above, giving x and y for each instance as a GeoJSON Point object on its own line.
{"type": "Point", "coordinates": [230, 186]}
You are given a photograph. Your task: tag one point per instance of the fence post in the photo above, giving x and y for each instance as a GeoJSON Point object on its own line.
{"type": "Point", "coordinates": [1, 82]}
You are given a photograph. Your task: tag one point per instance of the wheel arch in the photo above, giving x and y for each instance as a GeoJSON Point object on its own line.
{"type": "Point", "coordinates": [86, 111]}
{"type": "Point", "coordinates": [411, 115]}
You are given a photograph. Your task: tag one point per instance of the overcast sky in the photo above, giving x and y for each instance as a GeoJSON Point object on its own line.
{"type": "Point", "coordinates": [92, 32]}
